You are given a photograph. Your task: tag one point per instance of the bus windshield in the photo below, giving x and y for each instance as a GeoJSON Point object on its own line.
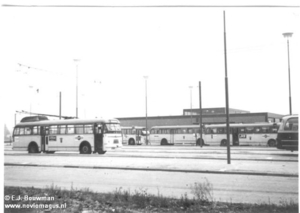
{"type": "Point", "coordinates": [144, 133]}
{"type": "Point", "coordinates": [112, 128]}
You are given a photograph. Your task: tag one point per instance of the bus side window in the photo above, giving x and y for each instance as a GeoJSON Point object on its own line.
{"type": "Point", "coordinates": [273, 129]}
{"type": "Point", "coordinates": [257, 130]}
{"type": "Point", "coordinates": [46, 130]}
{"type": "Point", "coordinates": [207, 131]}
{"type": "Point", "coordinates": [249, 129]}
{"type": "Point", "coordinates": [79, 129]}
{"type": "Point", "coordinates": [53, 130]}
{"type": "Point", "coordinates": [291, 124]}
{"type": "Point", "coordinates": [62, 129]}
{"type": "Point", "coordinates": [21, 132]}
{"type": "Point", "coordinates": [242, 130]}
{"type": "Point", "coordinates": [105, 129]}
{"type": "Point", "coordinates": [220, 130]}
{"type": "Point", "coordinates": [98, 129]}
{"type": "Point", "coordinates": [27, 131]}
{"type": "Point", "coordinates": [16, 131]}
{"type": "Point", "coordinates": [295, 125]}
{"type": "Point", "coordinates": [36, 130]}
{"type": "Point", "coordinates": [88, 129]}
{"type": "Point", "coordinates": [70, 129]}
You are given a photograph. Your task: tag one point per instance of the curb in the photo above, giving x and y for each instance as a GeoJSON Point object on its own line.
{"type": "Point", "coordinates": [171, 157]}
{"type": "Point", "coordinates": [155, 170]}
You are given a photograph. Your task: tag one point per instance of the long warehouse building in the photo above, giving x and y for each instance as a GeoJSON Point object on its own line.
{"type": "Point", "coordinates": [209, 116]}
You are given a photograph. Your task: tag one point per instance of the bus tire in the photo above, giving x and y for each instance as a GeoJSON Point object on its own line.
{"type": "Point", "coordinates": [164, 142]}
{"type": "Point", "coordinates": [236, 143]}
{"type": "Point", "coordinates": [223, 142]}
{"type": "Point", "coordinates": [85, 148]}
{"type": "Point", "coordinates": [131, 142]}
{"type": "Point", "coordinates": [272, 143]}
{"type": "Point", "coordinates": [33, 148]}
{"type": "Point", "coordinates": [101, 152]}
{"type": "Point", "coordinates": [198, 142]}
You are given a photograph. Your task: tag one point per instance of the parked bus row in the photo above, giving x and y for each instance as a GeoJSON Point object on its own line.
{"type": "Point", "coordinates": [282, 135]}
{"type": "Point", "coordinates": [135, 135]}
{"type": "Point", "coordinates": [98, 135]}
{"type": "Point", "coordinates": [215, 134]}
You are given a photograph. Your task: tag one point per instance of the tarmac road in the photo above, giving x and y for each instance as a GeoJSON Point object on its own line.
{"type": "Point", "coordinates": [229, 188]}
{"type": "Point", "coordinates": [260, 175]}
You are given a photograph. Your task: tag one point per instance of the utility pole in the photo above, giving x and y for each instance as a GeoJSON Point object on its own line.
{"type": "Point", "coordinates": [200, 114]}
{"type": "Point", "coordinates": [227, 99]}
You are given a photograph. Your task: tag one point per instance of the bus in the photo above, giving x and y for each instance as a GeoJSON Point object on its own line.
{"type": "Point", "coordinates": [175, 135]}
{"type": "Point", "coordinates": [135, 135]}
{"type": "Point", "coordinates": [84, 135]}
{"type": "Point", "coordinates": [287, 137]}
{"type": "Point", "coordinates": [256, 134]}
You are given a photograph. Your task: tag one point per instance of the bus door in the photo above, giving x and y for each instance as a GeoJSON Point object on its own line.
{"type": "Point", "coordinates": [243, 138]}
{"type": "Point", "coordinates": [138, 136]}
{"type": "Point", "coordinates": [172, 136]}
{"type": "Point", "coordinates": [191, 136]}
{"type": "Point", "coordinates": [235, 136]}
{"type": "Point", "coordinates": [98, 138]}
{"type": "Point", "coordinates": [45, 139]}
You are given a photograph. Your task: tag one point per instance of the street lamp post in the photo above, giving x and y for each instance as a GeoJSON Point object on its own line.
{"type": "Point", "coordinates": [200, 114]}
{"type": "Point", "coordinates": [226, 94]}
{"type": "Point", "coordinates": [288, 35]}
{"type": "Point", "coordinates": [146, 77]}
{"type": "Point", "coordinates": [76, 61]}
{"type": "Point", "coordinates": [191, 88]}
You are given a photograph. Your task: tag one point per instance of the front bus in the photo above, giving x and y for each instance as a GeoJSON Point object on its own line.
{"type": "Point", "coordinates": [287, 136]}
{"type": "Point", "coordinates": [84, 135]}
{"type": "Point", "coordinates": [112, 135]}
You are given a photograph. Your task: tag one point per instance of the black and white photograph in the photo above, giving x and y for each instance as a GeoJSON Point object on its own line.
{"type": "Point", "coordinates": [150, 106]}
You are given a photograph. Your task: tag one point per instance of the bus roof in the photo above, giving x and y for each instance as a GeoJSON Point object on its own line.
{"type": "Point", "coordinates": [289, 116]}
{"type": "Point", "coordinates": [68, 121]}
{"type": "Point", "coordinates": [241, 125]}
{"type": "Point", "coordinates": [176, 127]}
{"type": "Point", "coordinates": [132, 127]}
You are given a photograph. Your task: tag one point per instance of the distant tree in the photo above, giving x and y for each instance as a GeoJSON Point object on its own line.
{"type": "Point", "coordinates": [7, 134]}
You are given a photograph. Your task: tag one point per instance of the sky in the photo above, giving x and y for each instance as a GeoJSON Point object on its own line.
{"type": "Point", "coordinates": [176, 47]}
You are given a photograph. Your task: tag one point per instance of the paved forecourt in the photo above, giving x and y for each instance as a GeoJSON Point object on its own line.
{"type": "Point", "coordinates": [109, 161]}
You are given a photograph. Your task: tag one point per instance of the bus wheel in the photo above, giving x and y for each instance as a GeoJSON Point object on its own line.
{"type": "Point", "coordinates": [198, 142]}
{"type": "Point", "coordinates": [85, 149]}
{"type": "Point", "coordinates": [101, 152]}
{"type": "Point", "coordinates": [272, 143]}
{"type": "Point", "coordinates": [236, 143]}
{"type": "Point", "coordinates": [131, 142]}
{"type": "Point", "coordinates": [223, 142]}
{"type": "Point", "coordinates": [33, 148]}
{"type": "Point", "coordinates": [164, 142]}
